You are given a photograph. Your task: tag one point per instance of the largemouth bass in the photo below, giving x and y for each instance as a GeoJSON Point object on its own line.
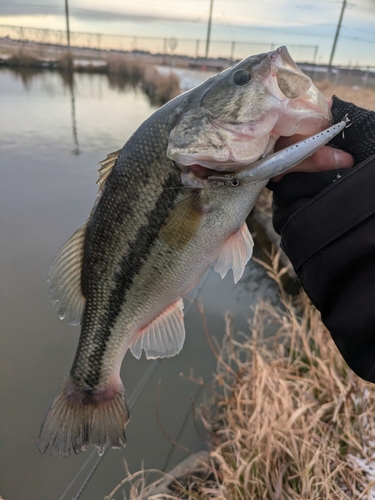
{"type": "Point", "coordinates": [157, 225]}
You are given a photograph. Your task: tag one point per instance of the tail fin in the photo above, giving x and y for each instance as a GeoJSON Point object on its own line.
{"type": "Point", "coordinates": [78, 418]}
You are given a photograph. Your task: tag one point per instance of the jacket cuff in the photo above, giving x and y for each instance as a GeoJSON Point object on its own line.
{"type": "Point", "coordinates": [344, 204]}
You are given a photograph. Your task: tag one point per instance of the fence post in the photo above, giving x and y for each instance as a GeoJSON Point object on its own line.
{"type": "Point", "coordinates": [365, 77]}
{"type": "Point", "coordinates": [232, 52]}
{"type": "Point", "coordinates": [22, 36]}
{"type": "Point", "coordinates": [315, 53]}
{"type": "Point", "coordinates": [165, 51]}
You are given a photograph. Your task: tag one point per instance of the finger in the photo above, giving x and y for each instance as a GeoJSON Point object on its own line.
{"type": "Point", "coordinates": [326, 158]}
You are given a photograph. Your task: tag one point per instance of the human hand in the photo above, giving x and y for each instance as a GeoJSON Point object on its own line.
{"type": "Point", "coordinates": [322, 169]}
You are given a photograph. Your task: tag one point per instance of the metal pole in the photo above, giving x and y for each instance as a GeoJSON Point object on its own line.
{"type": "Point", "coordinates": [337, 35]}
{"type": "Point", "coordinates": [315, 53]}
{"type": "Point", "coordinates": [67, 23]}
{"type": "Point", "coordinates": [209, 28]}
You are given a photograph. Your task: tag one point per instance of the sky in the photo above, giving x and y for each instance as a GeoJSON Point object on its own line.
{"type": "Point", "coordinates": [306, 27]}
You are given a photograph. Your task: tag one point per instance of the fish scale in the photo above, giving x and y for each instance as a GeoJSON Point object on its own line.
{"type": "Point", "coordinates": [157, 225]}
{"type": "Point", "coordinates": [130, 265]}
{"type": "Point", "coordinates": [126, 203]}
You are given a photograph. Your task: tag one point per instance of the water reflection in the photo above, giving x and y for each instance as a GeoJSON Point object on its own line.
{"type": "Point", "coordinates": [26, 75]}
{"type": "Point", "coordinates": [68, 78]}
{"type": "Point", "coordinates": [119, 83]}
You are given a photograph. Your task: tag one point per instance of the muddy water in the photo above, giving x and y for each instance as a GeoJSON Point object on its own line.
{"type": "Point", "coordinates": [51, 141]}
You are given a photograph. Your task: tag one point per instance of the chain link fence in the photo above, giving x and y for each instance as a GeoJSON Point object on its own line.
{"type": "Point", "coordinates": [190, 47]}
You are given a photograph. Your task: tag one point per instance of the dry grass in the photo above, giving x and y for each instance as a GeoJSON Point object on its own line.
{"type": "Point", "coordinates": [22, 58]}
{"type": "Point", "coordinates": [363, 97]}
{"type": "Point", "coordinates": [288, 420]}
{"type": "Point", "coordinates": [160, 88]}
{"type": "Point", "coordinates": [123, 67]}
{"type": "Point", "coordinates": [65, 62]}
{"type": "Point", "coordinates": [294, 421]}
{"type": "Point", "coordinates": [123, 71]}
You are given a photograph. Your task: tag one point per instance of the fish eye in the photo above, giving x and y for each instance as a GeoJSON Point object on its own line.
{"type": "Point", "coordinates": [241, 77]}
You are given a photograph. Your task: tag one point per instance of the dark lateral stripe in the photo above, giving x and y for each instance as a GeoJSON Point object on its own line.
{"type": "Point", "coordinates": [131, 266]}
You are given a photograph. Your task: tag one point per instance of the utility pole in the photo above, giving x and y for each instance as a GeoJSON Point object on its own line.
{"type": "Point", "coordinates": [67, 23]}
{"type": "Point", "coordinates": [336, 36]}
{"type": "Point", "coordinates": [209, 28]}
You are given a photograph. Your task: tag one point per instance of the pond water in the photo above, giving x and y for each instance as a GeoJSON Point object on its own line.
{"type": "Point", "coordinates": [51, 142]}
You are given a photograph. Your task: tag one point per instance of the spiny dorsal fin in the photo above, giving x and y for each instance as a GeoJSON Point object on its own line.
{"type": "Point", "coordinates": [64, 278]}
{"type": "Point", "coordinates": [106, 167]}
{"type": "Point", "coordinates": [235, 253]}
{"type": "Point", "coordinates": [164, 337]}
{"type": "Point", "coordinates": [181, 223]}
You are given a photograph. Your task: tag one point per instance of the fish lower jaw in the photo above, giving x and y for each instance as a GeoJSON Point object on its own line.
{"type": "Point", "coordinates": [196, 176]}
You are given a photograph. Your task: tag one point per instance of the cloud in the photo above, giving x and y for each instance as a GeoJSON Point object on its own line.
{"type": "Point", "coordinates": [23, 9]}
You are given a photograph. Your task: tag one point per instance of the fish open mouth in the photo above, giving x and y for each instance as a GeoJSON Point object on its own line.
{"type": "Point", "coordinates": [197, 175]}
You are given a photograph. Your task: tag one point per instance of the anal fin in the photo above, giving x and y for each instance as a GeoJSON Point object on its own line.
{"type": "Point", "coordinates": [163, 337]}
{"type": "Point", "coordinates": [235, 253]}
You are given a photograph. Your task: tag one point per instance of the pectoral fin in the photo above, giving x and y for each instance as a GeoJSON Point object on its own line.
{"type": "Point", "coordinates": [164, 337]}
{"type": "Point", "coordinates": [182, 222]}
{"type": "Point", "coordinates": [235, 253]}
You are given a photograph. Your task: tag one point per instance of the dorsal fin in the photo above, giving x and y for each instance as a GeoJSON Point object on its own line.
{"type": "Point", "coordinates": [64, 278]}
{"type": "Point", "coordinates": [164, 337]}
{"type": "Point", "coordinates": [235, 253]}
{"type": "Point", "coordinates": [106, 167]}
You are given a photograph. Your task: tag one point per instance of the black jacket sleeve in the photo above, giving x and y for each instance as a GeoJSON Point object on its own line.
{"type": "Point", "coordinates": [327, 227]}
